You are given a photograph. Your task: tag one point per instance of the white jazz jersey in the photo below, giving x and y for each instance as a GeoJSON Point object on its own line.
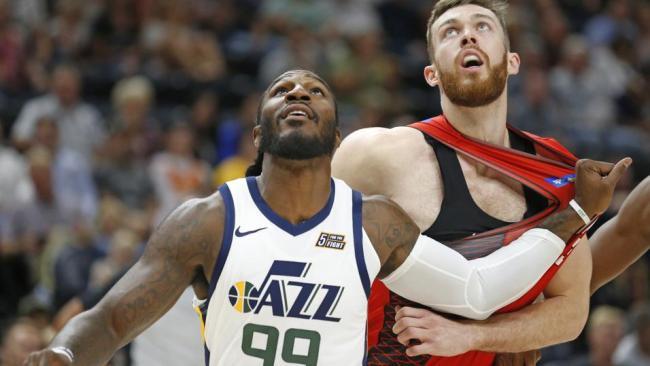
{"type": "Point", "coordinates": [284, 294]}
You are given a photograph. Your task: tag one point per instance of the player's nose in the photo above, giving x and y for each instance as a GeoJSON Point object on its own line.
{"type": "Point", "coordinates": [468, 37]}
{"type": "Point", "coordinates": [297, 93]}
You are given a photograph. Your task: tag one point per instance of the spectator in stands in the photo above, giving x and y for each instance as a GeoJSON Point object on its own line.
{"type": "Point", "coordinates": [80, 124]}
{"type": "Point", "coordinates": [175, 172]}
{"type": "Point", "coordinates": [122, 253]}
{"type": "Point", "coordinates": [204, 120]}
{"type": "Point", "coordinates": [19, 340]}
{"type": "Point", "coordinates": [235, 166]}
{"type": "Point", "coordinates": [16, 191]}
{"type": "Point", "coordinates": [634, 350]}
{"type": "Point", "coordinates": [73, 187]}
{"type": "Point", "coordinates": [584, 96]}
{"type": "Point", "coordinates": [123, 174]}
{"type": "Point", "coordinates": [133, 99]}
{"type": "Point", "coordinates": [605, 330]}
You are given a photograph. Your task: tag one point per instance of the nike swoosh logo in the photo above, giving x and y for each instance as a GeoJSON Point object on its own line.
{"type": "Point", "coordinates": [244, 233]}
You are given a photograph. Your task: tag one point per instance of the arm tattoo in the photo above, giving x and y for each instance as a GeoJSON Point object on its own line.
{"type": "Point", "coordinates": [390, 230]}
{"type": "Point", "coordinates": [187, 240]}
{"type": "Point", "coordinates": [563, 224]}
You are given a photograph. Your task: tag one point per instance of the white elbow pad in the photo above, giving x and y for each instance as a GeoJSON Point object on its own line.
{"type": "Point", "coordinates": [442, 279]}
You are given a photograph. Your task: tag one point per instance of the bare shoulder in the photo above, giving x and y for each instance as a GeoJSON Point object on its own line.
{"type": "Point", "coordinates": [191, 234]}
{"type": "Point", "coordinates": [390, 230]}
{"type": "Point", "coordinates": [367, 141]}
{"type": "Point", "coordinates": [369, 158]}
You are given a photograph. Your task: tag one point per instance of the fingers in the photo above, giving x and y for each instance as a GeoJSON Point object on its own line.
{"type": "Point", "coordinates": [617, 171]}
{"type": "Point", "coordinates": [407, 322]}
{"type": "Point", "coordinates": [417, 350]}
{"type": "Point", "coordinates": [407, 311]}
{"type": "Point", "coordinates": [409, 334]}
{"type": "Point", "coordinates": [601, 167]}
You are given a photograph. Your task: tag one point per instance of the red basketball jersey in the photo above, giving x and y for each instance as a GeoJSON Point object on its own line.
{"type": "Point", "coordinates": [549, 173]}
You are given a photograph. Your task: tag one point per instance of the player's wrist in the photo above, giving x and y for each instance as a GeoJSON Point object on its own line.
{"type": "Point", "coordinates": [477, 338]}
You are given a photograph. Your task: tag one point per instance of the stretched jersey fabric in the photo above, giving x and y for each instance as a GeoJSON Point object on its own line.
{"type": "Point", "coordinates": [289, 294]}
{"type": "Point", "coordinates": [549, 173]}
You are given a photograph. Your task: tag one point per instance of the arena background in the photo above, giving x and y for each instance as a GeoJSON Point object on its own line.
{"type": "Point", "coordinates": [114, 112]}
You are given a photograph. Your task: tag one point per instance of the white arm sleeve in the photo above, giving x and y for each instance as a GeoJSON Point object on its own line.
{"type": "Point", "coordinates": [442, 279]}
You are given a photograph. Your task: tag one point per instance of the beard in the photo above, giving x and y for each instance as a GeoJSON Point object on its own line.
{"type": "Point", "coordinates": [295, 145]}
{"type": "Point", "coordinates": [478, 92]}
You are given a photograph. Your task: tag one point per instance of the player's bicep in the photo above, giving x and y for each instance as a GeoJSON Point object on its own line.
{"type": "Point", "coordinates": [390, 230]}
{"type": "Point", "coordinates": [572, 281]}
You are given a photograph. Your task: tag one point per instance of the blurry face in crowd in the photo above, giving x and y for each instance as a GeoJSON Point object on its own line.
{"type": "Point", "coordinates": [181, 140]}
{"type": "Point", "coordinates": [134, 112]}
{"type": "Point", "coordinates": [297, 118]}
{"type": "Point", "coordinates": [66, 85]}
{"type": "Point", "coordinates": [204, 110]}
{"type": "Point", "coordinates": [20, 341]}
{"type": "Point", "coordinates": [471, 62]}
{"type": "Point", "coordinates": [604, 337]}
{"type": "Point", "coordinates": [47, 133]}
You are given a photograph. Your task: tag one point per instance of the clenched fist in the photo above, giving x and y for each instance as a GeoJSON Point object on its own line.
{"type": "Point", "coordinates": [595, 183]}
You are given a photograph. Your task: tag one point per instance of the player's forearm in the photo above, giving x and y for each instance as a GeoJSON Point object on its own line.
{"type": "Point", "coordinates": [614, 249]}
{"type": "Point", "coordinates": [90, 337]}
{"type": "Point", "coordinates": [477, 288]}
{"type": "Point", "coordinates": [554, 321]}
{"type": "Point", "coordinates": [563, 224]}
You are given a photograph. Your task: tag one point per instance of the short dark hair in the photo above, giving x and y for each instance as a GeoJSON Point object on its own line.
{"type": "Point", "coordinates": [498, 7]}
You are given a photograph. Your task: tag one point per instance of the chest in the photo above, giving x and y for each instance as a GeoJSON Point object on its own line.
{"type": "Point", "coordinates": [418, 188]}
{"type": "Point", "coordinates": [496, 194]}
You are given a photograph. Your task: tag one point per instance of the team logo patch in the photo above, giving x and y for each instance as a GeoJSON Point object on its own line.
{"type": "Point", "coordinates": [561, 181]}
{"type": "Point", "coordinates": [333, 241]}
{"type": "Point", "coordinates": [285, 293]}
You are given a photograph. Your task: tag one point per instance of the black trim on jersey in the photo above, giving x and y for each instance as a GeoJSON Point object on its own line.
{"type": "Point", "coordinates": [459, 215]}
{"type": "Point", "coordinates": [357, 225]}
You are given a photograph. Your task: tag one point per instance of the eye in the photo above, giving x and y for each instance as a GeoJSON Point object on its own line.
{"type": "Point", "coordinates": [279, 91]}
{"type": "Point", "coordinates": [449, 32]}
{"type": "Point", "coordinates": [483, 26]}
{"type": "Point", "coordinates": [317, 91]}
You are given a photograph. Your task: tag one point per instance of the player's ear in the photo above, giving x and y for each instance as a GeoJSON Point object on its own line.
{"type": "Point", "coordinates": [513, 63]}
{"type": "Point", "coordinates": [257, 136]}
{"type": "Point", "coordinates": [431, 75]}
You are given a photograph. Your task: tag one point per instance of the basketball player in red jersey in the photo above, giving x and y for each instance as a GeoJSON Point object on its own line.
{"type": "Point", "coordinates": [476, 199]}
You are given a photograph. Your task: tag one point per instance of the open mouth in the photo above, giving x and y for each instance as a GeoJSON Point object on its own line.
{"type": "Point", "coordinates": [472, 61]}
{"type": "Point", "coordinates": [297, 110]}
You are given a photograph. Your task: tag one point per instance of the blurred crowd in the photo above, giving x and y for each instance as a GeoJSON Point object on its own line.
{"type": "Point", "coordinates": [112, 112]}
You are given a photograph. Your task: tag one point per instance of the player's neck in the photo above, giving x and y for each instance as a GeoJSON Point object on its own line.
{"type": "Point", "coordinates": [486, 123]}
{"type": "Point", "coordinates": [295, 189]}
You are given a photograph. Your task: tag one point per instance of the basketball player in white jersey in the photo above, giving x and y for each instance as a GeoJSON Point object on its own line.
{"type": "Point", "coordinates": [284, 261]}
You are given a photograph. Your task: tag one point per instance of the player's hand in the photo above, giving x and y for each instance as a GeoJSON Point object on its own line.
{"type": "Point", "coordinates": [529, 358]}
{"type": "Point", "coordinates": [595, 183]}
{"type": "Point", "coordinates": [46, 357]}
{"type": "Point", "coordinates": [437, 335]}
